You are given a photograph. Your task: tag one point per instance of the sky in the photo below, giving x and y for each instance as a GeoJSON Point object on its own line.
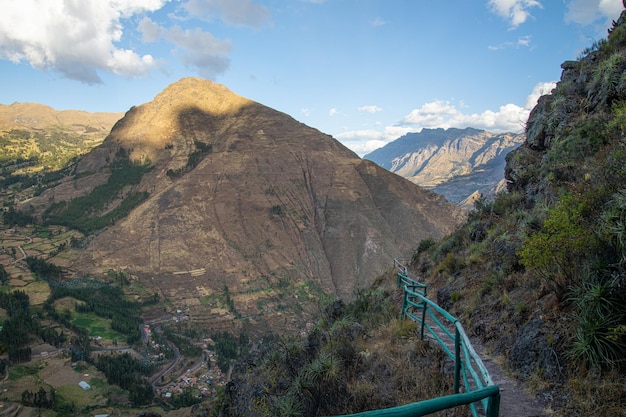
{"type": "Point", "coordinates": [363, 71]}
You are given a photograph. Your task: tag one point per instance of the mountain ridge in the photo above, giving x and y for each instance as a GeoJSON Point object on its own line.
{"type": "Point", "coordinates": [39, 116]}
{"type": "Point", "coordinates": [452, 162]}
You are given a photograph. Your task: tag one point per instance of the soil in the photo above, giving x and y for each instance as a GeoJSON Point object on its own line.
{"type": "Point", "coordinates": [514, 401]}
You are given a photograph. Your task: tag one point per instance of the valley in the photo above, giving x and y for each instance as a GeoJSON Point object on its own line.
{"type": "Point", "coordinates": [236, 262]}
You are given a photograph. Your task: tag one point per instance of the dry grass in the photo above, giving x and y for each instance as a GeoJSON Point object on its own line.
{"type": "Point", "coordinates": [595, 396]}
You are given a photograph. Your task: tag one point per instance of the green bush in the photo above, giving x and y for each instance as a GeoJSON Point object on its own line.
{"type": "Point", "coordinates": [575, 146]}
{"type": "Point", "coordinates": [556, 252]}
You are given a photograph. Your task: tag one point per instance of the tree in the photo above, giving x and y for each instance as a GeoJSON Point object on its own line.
{"type": "Point", "coordinates": [4, 275]}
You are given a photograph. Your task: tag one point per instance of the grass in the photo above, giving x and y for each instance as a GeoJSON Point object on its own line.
{"type": "Point", "coordinates": [81, 398]}
{"type": "Point", "coordinates": [37, 291]}
{"type": "Point", "coordinates": [19, 371]}
{"type": "Point", "coordinates": [96, 326]}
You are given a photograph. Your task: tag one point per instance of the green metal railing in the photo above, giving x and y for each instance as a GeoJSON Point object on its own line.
{"type": "Point", "coordinates": [470, 374]}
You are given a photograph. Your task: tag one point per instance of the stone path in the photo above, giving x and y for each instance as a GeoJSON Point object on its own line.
{"type": "Point", "coordinates": [514, 402]}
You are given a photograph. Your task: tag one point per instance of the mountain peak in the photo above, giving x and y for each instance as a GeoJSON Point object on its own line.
{"type": "Point", "coordinates": [149, 128]}
{"type": "Point", "coordinates": [206, 95]}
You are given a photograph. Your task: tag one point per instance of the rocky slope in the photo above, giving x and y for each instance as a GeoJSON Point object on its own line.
{"type": "Point", "coordinates": [539, 274]}
{"type": "Point", "coordinates": [249, 213]}
{"type": "Point", "coordinates": [453, 162]}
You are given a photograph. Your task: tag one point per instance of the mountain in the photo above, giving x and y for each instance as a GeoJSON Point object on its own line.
{"type": "Point", "coordinates": [43, 138]}
{"type": "Point", "coordinates": [39, 116]}
{"type": "Point", "coordinates": [227, 208]}
{"type": "Point", "coordinates": [452, 162]}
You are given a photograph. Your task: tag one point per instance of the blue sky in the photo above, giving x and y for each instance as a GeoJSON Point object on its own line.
{"type": "Point", "coordinates": [364, 71]}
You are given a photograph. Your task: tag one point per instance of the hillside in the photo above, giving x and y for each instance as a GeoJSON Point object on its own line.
{"type": "Point", "coordinates": [539, 274]}
{"type": "Point", "coordinates": [45, 138]}
{"type": "Point", "coordinates": [214, 213]}
{"type": "Point", "coordinates": [203, 195]}
{"type": "Point", "coordinates": [452, 162]}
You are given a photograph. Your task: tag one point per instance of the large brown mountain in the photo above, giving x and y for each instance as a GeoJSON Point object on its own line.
{"type": "Point", "coordinates": [249, 213]}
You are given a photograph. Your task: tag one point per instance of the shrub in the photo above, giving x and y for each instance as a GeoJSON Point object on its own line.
{"type": "Point", "coordinates": [277, 210]}
{"type": "Point", "coordinates": [556, 252]}
{"type": "Point", "coordinates": [614, 222]}
{"type": "Point", "coordinates": [450, 264]}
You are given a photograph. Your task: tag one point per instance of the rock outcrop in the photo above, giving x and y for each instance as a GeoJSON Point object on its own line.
{"type": "Point", "coordinates": [581, 102]}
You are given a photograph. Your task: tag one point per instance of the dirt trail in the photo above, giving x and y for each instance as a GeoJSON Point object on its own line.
{"type": "Point", "coordinates": [514, 402]}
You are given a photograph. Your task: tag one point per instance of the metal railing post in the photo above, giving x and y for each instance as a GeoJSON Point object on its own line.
{"type": "Point", "coordinates": [424, 307]}
{"type": "Point", "coordinates": [404, 304]}
{"type": "Point", "coordinates": [478, 384]}
{"type": "Point", "coordinates": [457, 360]}
{"type": "Point", "coordinates": [493, 405]}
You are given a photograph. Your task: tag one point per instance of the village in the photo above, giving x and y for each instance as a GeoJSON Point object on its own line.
{"type": "Point", "coordinates": [202, 375]}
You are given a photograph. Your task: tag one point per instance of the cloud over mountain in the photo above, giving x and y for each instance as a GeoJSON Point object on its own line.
{"type": "Point", "coordinates": [39, 32]}
{"type": "Point", "coordinates": [445, 114]}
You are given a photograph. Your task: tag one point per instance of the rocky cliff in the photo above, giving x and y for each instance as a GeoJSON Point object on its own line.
{"type": "Point", "coordinates": [539, 274]}
{"type": "Point", "coordinates": [454, 162]}
{"type": "Point", "coordinates": [248, 212]}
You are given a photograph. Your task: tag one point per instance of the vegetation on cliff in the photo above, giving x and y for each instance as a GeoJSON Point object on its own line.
{"type": "Point", "coordinates": [539, 274]}
{"type": "Point", "coordinates": [99, 209]}
{"type": "Point", "coordinates": [357, 356]}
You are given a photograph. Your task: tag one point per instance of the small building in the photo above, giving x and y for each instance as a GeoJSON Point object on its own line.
{"type": "Point", "coordinates": [84, 385]}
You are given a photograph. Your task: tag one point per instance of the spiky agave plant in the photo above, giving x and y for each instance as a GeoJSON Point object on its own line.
{"type": "Point", "coordinates": [599, 311]}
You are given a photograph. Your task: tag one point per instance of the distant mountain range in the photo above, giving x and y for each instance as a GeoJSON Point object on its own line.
{"type": "Point", "coordinates": [42, 138]}
{"type": "Point", "coordinates": [457, 163]}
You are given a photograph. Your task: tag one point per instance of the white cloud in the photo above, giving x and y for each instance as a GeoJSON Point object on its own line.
{"type": "Point", "coordinates": [236, 12]}
{"type": "Point", "coordinates": [306, 112]}
{"type": "Point", "coordinates": [444, 114]}
{"type": "Point", "coordinates": [370, 109]}
{"type": "Point", "coordinates": [521, 42]}
{"type": "Point", "coordinates": [539, 90]}
{"type": "Point", "coordinates": [333, 112]}
{"type": "Point", "coordinates": [509, 117]}
{"type": "Point", "coordinates": [76, 38]}
{"type": "Point", "coordinates": [585, 12]}
{"type": "Point", "coordinates": [197, 49]}
{"type": "Point", "coordinates": [516, 11]}
{"type": "Point", "coordinates": [365, 141]}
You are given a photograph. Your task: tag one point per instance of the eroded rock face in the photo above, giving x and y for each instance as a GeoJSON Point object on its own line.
{"type": "Point", "coordinates": [531, 353]}
{"type": "Point", "coordinates": [453, 162]}
{"type": "Point", "coordinates": [585, 93]}
{"type": "Point", "coordinates": [276, 214]}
